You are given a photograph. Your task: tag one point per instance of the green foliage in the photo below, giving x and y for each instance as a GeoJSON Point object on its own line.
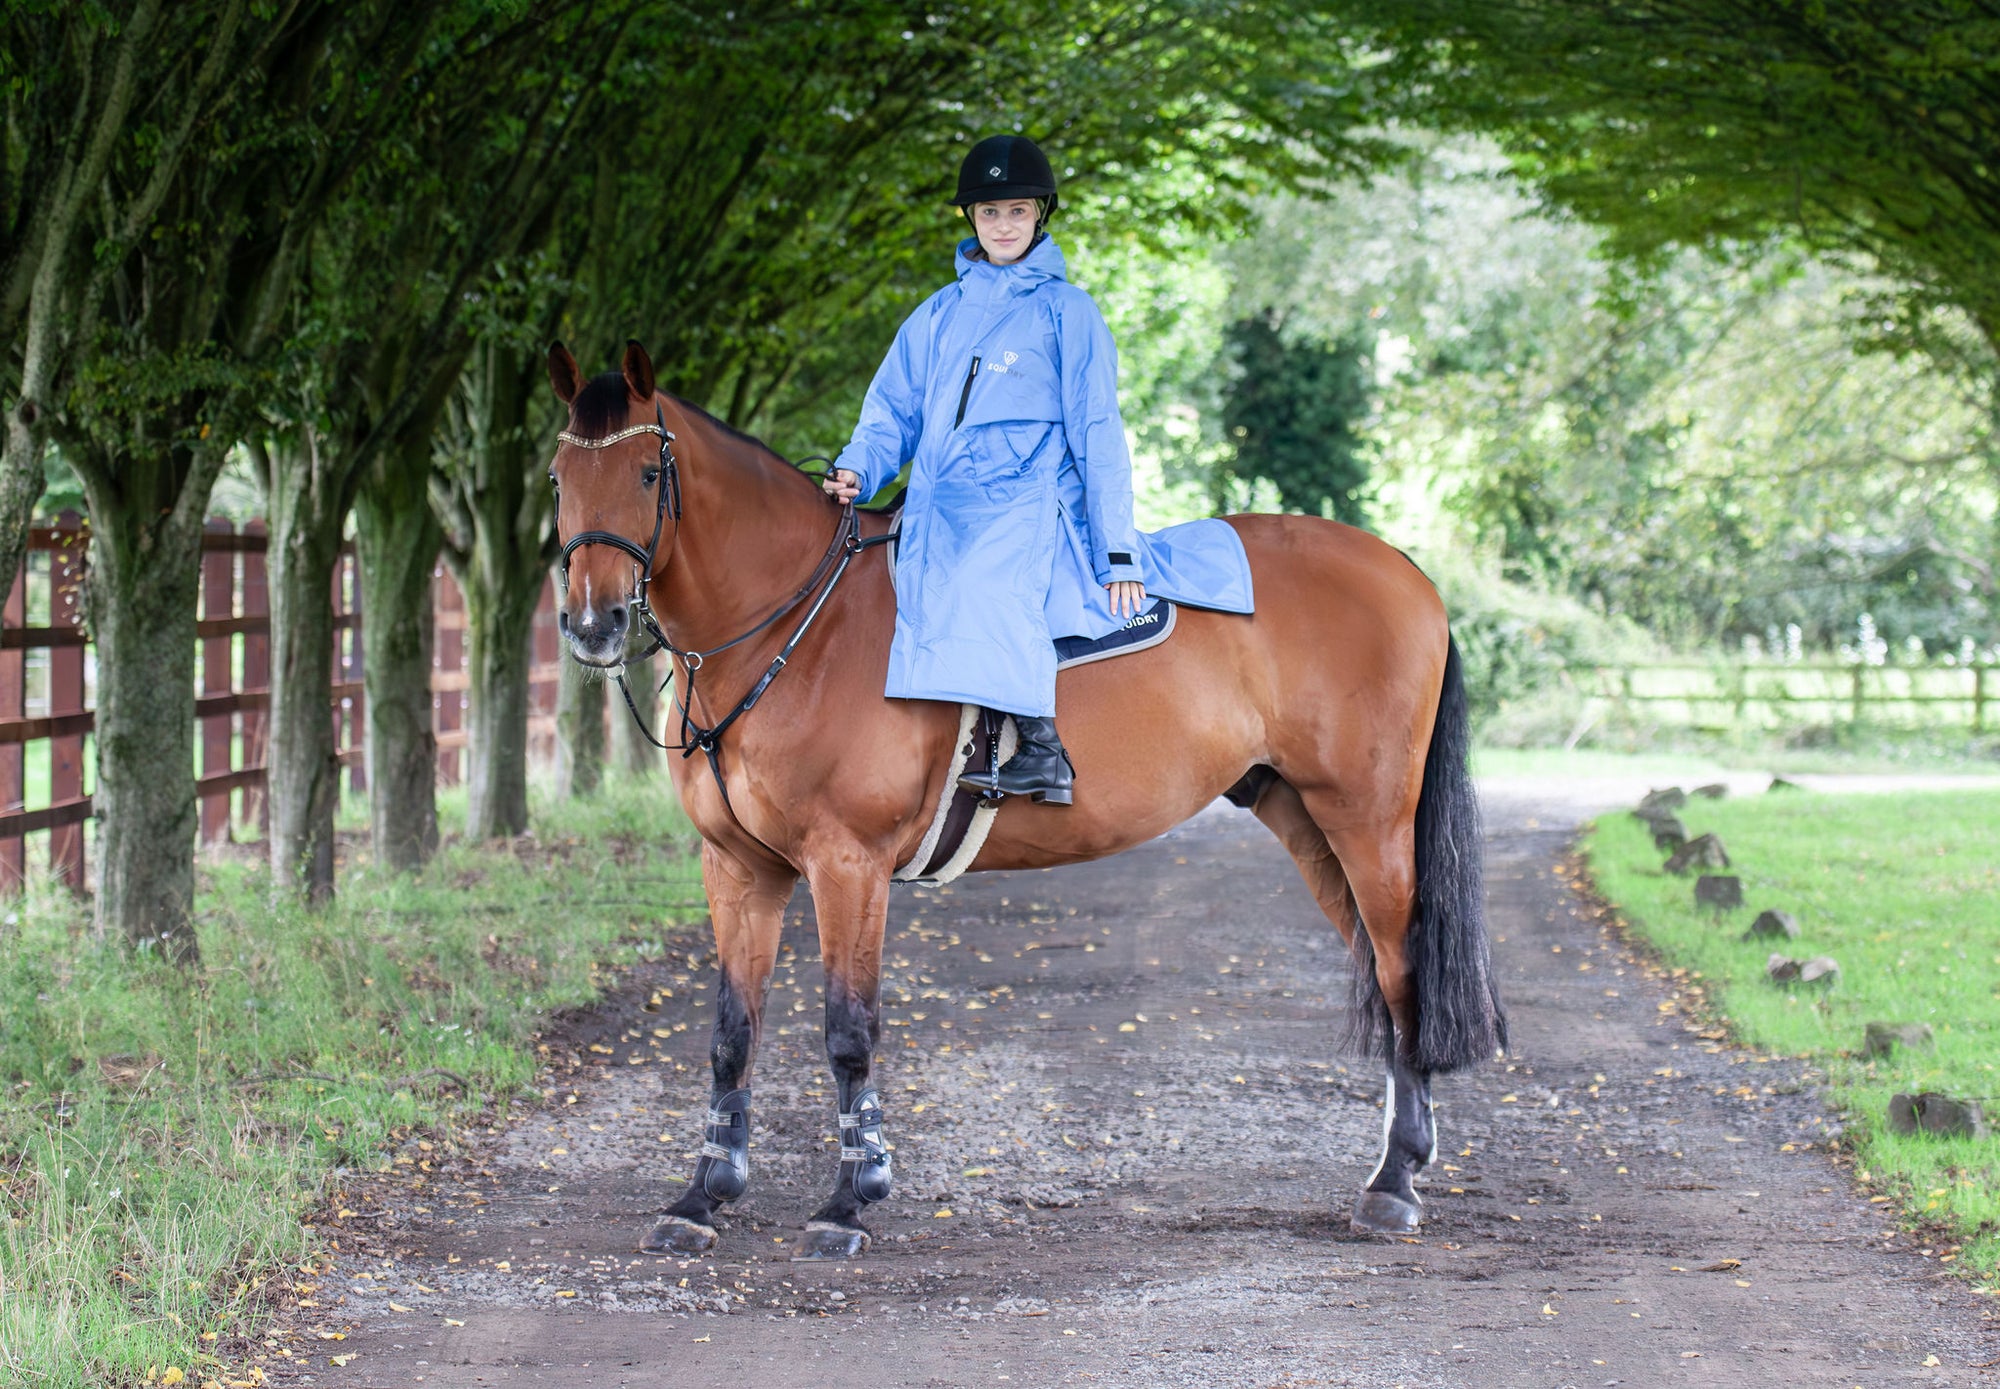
{"type": "Point", "coordinates": [1518, 641]}
{"type": "Point", "coordinates": [1294, 407]}
{"type": "Point", "coordinates": [155, 1162]}
{"type": "Point", "coordinates": [1706, 449]}
{"type": "Point", "coordinates": [1853, 127]}
{"type": "Point", "coordinates": [1899, 889]}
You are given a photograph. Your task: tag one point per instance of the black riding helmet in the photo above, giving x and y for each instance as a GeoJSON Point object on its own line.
{"type": "Point", "coordinates": [1006, 166]}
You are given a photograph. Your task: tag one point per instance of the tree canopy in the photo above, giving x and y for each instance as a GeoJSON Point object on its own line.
{"type": "Point", "coordinates": [1855, 128]}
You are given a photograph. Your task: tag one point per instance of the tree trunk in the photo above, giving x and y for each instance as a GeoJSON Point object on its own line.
{"type": "Point", "coordinates": [497, 508]}
{"type": "Point", "coordinates": [308, 511]}
{"type": "Point", "coordinates": [22, 482]}
{"type": "Point", "coordinates": [145, 573]}
{"type": "Point", "coordinates": [398, 539]}
{"type": "Point", "coordinates": [499, 621]}
{"type": "Point", "coordinates": [630, 752]}
{"type": "Point", "coordinates": [579, 731]}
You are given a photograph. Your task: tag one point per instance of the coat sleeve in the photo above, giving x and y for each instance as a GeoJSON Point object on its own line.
{"type": "Point", "coordinates": [892, 414]}
{"type": "Point", "coordinates": [1095, 433]}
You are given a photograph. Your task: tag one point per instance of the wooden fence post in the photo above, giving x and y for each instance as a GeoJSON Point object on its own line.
{"type": "Point", "coordinates": [256, 676]}
{"type": "Point", "coordinates": [67, 697]}
{"type": "Point", "coordinates": [13, 756]}
{"type": "Point", "coordinates": [449, 680]}
{"type": "Point", "coordinates": [218, 601]}
{"type": "Point", "coordinates": [348, 711]}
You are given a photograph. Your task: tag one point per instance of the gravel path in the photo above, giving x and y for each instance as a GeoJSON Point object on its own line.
{"type": "Point", "coordinates": [1125, 1152]}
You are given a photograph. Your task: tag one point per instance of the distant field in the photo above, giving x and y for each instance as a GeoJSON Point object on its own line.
{"type": "Point", "coordinates": [1904, 891]}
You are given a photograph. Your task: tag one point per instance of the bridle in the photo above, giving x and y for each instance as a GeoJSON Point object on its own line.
{"type": "Point", "coordinates": [846, 544]}
{"type": "Point", "coordinates": [669, 479]}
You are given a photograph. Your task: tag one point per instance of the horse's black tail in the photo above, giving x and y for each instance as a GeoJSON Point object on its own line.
{"type": "Point", "coordinates": [1460, 1020]}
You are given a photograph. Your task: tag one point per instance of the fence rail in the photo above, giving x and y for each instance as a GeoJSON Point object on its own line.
{"type": "Point", "coordinates": [1759, 695]}
{"type": "Point", "coordinates": [47, 683]}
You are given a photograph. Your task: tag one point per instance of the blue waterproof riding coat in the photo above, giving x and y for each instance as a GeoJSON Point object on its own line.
{"type": "Point", "coordinates": [1002, 392]}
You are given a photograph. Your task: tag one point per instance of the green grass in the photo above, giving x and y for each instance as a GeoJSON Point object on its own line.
{"type": "Point", "coordinates": [154, 1164]}
{"type": "Point", "coordinates": [1901, 890]}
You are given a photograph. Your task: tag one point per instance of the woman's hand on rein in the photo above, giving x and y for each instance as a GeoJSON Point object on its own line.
{"type": "Point", "coordinates": [841, 485]}
{"type": "Point", "coordinates": [1128, 598]}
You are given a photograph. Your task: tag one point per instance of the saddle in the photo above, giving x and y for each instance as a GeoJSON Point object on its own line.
{"type": "Point", "coordinates": [962, 820]}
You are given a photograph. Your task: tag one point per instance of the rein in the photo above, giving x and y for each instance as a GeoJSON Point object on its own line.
{"type": "Point", "coordinates": [846, 544]}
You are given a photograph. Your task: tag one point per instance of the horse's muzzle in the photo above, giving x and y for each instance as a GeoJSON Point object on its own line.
{"type": "Point", "coordinates": [597, 638]}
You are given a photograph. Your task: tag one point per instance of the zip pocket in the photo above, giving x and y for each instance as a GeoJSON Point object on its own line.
{"type": "Point", "coordinates": [966, 394]}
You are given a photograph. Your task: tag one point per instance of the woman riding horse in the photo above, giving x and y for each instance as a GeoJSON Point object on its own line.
{"type": "Point", "coordinates": [1336, 711]}
{"type": "Point", "coordinates": [1001, 391]}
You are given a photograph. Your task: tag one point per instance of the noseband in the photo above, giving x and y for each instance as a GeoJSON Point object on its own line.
{"type": "Point", "coordinates": [669, 483]}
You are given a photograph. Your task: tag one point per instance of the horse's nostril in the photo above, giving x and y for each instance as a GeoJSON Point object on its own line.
{"type": "Point", "coordinates": [614, 616]}
{"type": "Point", "coordinates": [562, 622]}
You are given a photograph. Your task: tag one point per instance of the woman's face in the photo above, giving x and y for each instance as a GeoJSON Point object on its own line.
{"type": "Point", "coordinates": [1005, 229]}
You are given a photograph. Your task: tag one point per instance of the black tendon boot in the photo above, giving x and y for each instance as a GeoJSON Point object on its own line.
{"type": "Point", "coordinates": [1039, 768]}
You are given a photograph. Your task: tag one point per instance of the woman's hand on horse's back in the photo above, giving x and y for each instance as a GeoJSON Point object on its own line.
{"type": "Point", "coordinates": [841, 485]}
{"type": "Point", "coordinates": [1128, 598]}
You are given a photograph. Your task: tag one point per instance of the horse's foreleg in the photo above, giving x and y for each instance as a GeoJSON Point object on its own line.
{"type": "Point", "coordinates": [852, 902]}
{"type": "Point", "coordinates": [1381, 873]}
{"type": "Point", "coordinates": [747, 902]}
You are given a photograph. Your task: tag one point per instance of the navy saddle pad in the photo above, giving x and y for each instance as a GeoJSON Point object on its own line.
{"type": "Point", "coordinates": [1148, 629]}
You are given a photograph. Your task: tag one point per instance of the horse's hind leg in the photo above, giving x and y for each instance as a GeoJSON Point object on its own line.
{"type": "Point", "coordinates": [747, 902]}
{"type": "Point", "coordinates": [1389, 1201]}
{"type": "Point", "coordinates": [1278, 805]}
{"type": "Point", "coordinates": [851, 900]}
{"type": "Point", "coordinates": [1381, 869]}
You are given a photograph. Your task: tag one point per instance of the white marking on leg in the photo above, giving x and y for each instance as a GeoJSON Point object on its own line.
{"type": "Point", "coordinates": [1431, 1105]}
{"type": "Point", "coordinates": [1388, 1127]}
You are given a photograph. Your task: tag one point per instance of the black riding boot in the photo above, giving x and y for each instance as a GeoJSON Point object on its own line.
{"type": "Point", "coordinates": [1038, 769]}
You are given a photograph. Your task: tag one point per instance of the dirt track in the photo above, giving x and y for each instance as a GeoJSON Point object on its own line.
{"type": "Point", "coordinates": [1125, 1151]}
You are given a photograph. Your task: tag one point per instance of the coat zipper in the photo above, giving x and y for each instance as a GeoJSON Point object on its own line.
{"type": "Point", "coordinates": [966, 394]}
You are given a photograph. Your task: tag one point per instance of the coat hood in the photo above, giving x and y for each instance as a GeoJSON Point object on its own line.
{"type": "Point", "coordinates": [1043, 262]}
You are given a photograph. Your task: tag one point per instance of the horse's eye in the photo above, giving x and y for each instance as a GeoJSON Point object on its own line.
{"type": "Point", "coordinates": [650, 476]}
{"type": "Point", "coordinates": [553, 482]}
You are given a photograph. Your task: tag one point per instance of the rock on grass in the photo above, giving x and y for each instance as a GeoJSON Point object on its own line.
{"type": "Point", "coordinates": [1773, 923]}
{"type": "Point", "coordinates": [1703, 852]}
{"type": "Point", "coordinates": [1882, 1038]}
{"type": "Point", "coordinates": [1941, 1116]}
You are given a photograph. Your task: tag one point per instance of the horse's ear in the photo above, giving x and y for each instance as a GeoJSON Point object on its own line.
{"type": "Point", "coordinates": [563, 373]}
{"type": "Point", "coordinates": [638, 369]}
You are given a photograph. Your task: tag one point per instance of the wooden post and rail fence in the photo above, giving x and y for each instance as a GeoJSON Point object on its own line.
{"type": "Point", "coordinates": [46, 685]}
{"type": "Point", "coordinates": [1792, 694]}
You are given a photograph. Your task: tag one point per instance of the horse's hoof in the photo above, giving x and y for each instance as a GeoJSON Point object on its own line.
{"type": "Point", "coordinates": [676, 1234]}
{"type": "Point", "coordinates": [1385, 1213]}
{"type": "Point", "coordinates": [825, 1240]}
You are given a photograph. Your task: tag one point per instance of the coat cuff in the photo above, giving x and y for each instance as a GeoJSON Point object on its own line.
{"type": "Point", "coordinates": [1120, 567]}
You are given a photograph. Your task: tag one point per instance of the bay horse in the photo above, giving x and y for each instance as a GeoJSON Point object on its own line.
{"type": "Point", "coordinates": [1336, 712]}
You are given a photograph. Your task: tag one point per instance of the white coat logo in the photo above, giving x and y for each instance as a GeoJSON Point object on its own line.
{"type": "Point", "coordinates": [993, 172]}
{"type": "Point", "coordinates": [1007, 359]}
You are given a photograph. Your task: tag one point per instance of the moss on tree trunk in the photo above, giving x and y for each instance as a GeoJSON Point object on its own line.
{"type": "Point", "coordinates": [302, 775]}
{"type": "Point", "coordinates": [145, 572]}
{"type": "Point", "coordinates": [499, 620]}
{"type": "Point", "coordinates": [579, 730]}
{"type": "Point", "coordinates": [398, 538]}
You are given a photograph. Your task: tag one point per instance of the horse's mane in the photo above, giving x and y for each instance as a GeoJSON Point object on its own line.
{"type": "Point", "coordinates": [604, 402]}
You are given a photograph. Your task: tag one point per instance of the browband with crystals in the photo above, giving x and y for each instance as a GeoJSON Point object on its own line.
{"type": "Point", "coordinates": [620, 437]}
